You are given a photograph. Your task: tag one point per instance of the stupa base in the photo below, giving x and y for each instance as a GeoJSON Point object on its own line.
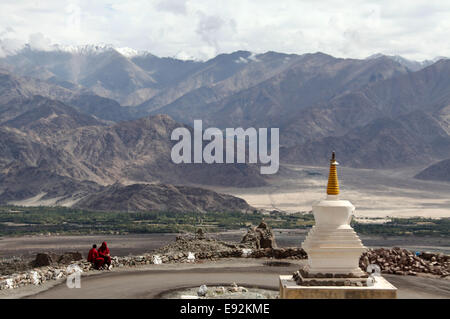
{"type": "Point", "coordinates": [380, 289]}
{"type": "Point", "coordinates": [336, 272]}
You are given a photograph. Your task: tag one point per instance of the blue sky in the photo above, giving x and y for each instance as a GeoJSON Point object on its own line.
{"type": "Point", "coordinates": [202, 29]}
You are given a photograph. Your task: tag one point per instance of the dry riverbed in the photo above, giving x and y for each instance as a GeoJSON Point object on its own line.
{"type": "Point", "coordinates": [375, 193]}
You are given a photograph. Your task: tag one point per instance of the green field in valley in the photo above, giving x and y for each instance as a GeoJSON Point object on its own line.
{"type": "Point", "coordinates": [17, 221]}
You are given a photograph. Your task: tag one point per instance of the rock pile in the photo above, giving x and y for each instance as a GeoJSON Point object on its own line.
{"type": "Point", "coordinates": [396, 261]}
{"type": "Point", "coordinates": [47, 259]}
{"type": "Point", "coordinates": [202, 246]}
{"type": "Point", "coordinates": [18, 264]}
{"type": "Point", "coordinates": [166, 255]}
{"type": "Point", "coordinates": [148, 259]}
{"type": "Point", "coordinates": [259, 237]}
{"type": "Point", "coordinates": [280, 253]}
{"type": "Point", "coordinates": [200, 234]}
{"type": "Point", "coordinates": [44, 259]}
{"type": "Point", "coordinates": [13, 265]}
{"type": "Point", "coordinates": [404, 262]}
{"type": "Point", "coordinates": [212, 249]}
{"type": "Point", "coordinates": [69, 257]}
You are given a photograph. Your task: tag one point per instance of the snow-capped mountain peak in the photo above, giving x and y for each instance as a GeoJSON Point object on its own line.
{"type": "Point", "coordinates": [129, 52]}
{"type": "Point", "coordinates": [89, 49]}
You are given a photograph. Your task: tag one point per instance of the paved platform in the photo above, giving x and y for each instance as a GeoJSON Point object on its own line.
{"type": "Point", "coordinates": [381, 289]}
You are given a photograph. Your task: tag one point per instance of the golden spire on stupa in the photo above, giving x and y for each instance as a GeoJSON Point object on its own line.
{"type": "Point", "coordinates": [333, 184]}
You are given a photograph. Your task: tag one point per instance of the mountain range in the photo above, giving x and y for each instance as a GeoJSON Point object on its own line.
{"type": "Point", "coordinates": [75, 122]}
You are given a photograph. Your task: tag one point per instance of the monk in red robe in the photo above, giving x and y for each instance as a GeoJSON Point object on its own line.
{"type": "Point", "coordinates": [94, 257]}
{"type": "Point", "coordinates": [103, 252]}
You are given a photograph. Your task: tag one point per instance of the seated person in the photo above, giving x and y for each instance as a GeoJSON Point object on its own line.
{"type": "Point", "coordinates": [94, 258]}
{"type": "Point", "coordinates": [103, 252]}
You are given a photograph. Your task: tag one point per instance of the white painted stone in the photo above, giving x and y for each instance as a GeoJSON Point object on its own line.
{"type": "Point", "coordinates": [246, 252]}
{"type": "Point", "coordinates": [35, 278]}
{"type": "Point", "coordinates": [202, 291]}
{"type": "Point", "coordinates": [156, 259]}
{"type": "Point", "coordinates": [191, 257]}
{"type": "Point", "coordinates": [9, 283]}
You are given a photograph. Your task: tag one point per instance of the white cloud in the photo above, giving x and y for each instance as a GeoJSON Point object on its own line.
{"type": "Point", "coordinates": [8, 42]}
{"type": "Point", "coordinates": [416, 29]}
{"type": "Point", "coordinates": [38, 41]}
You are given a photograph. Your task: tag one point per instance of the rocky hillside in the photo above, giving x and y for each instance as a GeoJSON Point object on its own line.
{"type": "Point", "coordinates": [382, 143]}
{"type": "Point", "coordinates": [439, 171]}
{"type": "Point", "coordinates": [377, 110]}
{"type": "Point", "coordinates": [14, 88]}
{"type": "Point", "coordinates": [35, 186]}
{"type": "Point", "coordinates": [51, 153]}
{"type": "Point", "coordinates": [140, 151]}
{"type": "Point", "coordinates": [162, 197]}
{"type": "Point", "coordinates": [275, 94]}
{"type": "Point", "coordinates": [77, 161]}
{"type": "Point", "coordinates": [380, 125]}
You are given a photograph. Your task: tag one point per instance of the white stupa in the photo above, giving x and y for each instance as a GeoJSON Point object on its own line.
{"type": "Point", "coordinates": [332, 245]}
{"type": "Point", "coordinates": [334, 250]}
